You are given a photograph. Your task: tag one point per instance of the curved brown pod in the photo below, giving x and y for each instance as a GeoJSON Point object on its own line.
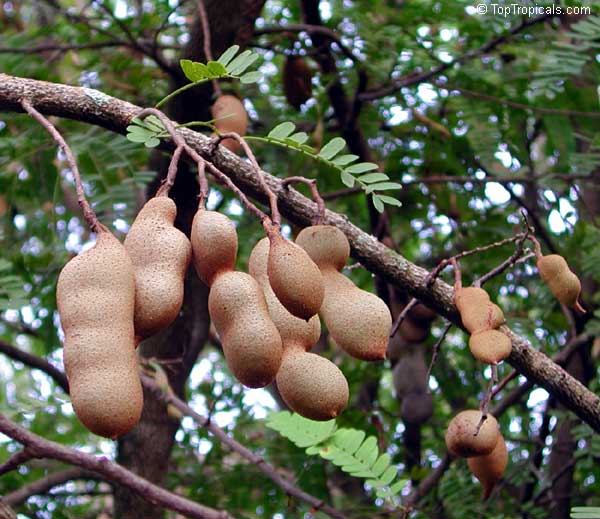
{"type": "Point", "coordinates": [358, 321]}
{"type": "Point", "coordinates": [294, 277]}
{"type": "Point", "coordinates": [564, 284]}
{"type": "Point", "coordinates": [95, 296]}
{"type": "Point", "coordinates": [251, 342]}
{"type": "Point", "coordinates": [161, 255]}
{"type": "Point", "coordinates": [490, 468]}
{"type": "Point", "coordinates": [309, 384]}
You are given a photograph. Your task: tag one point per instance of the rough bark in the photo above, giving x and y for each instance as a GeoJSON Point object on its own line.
{"type": "Point", "coordinates": [102, 110]}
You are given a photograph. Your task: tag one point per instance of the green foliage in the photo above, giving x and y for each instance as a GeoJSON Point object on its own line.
{"type": "Point", "coordinates": [351, 172]}
{"type": "Point", "coordinates": [228, 66]}
{"type": "Point", "coordinates": [567, 59]}
{"type": "Point", "coordinates": [346, 448]}
{"type": "Point", "coordinates": [585, 512]}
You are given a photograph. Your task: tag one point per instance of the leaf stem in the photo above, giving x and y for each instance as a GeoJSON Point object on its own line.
{"type": "Point", "coordinates": [178, 91]}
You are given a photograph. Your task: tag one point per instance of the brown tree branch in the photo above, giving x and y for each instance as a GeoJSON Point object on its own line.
{"type": "Point", "coordinates": [47, 483]}
{"type": "Point", "coordinates": [35, 362]}
{"type": "Point", "coordinates": [108, 470]}
{"type": "Point", "coordinates": [97, 108]}
{"type": "Point", "coordinates": [271, 472]}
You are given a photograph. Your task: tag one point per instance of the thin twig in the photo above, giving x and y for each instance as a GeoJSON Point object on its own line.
{"type": "Point", "coordinates": [180, 143]}
{"type": "Point", "coordinates": [506, 264]}
{"type": "Point", "coordinates": [436, 349]}
{"type": "Point", "coordinates": [88, 212]}
{"type": "Point", "coordinates": [207, 40]}
{"type": "Point", "coordinates": [314, 190]}
{"type": "Point", "coordinates": [287, 486]}
{"type": "Point", "coordinates": [413, 302]}
{"type": "Point", "coordinates": [275, 216]}
{"type": "Point", "coordinates": [35, 362]}
{"type": "Point", "coordinates": [15, 461]}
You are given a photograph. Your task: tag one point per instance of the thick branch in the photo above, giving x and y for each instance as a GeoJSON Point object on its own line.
{"type": "Point", "coordinates": [96, 108]}
{"type": "Point", "coordinates": [108, 470]}
{"type": "Point", "coordinates": [36, 362]}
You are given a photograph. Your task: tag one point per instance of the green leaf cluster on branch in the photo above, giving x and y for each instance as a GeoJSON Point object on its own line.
{"type": "Point", "coordinates": [344, 447]}
{"type": "Point", "coordinates": [567, 58]}
{"type": "Point", "coordinates": [351, 172]}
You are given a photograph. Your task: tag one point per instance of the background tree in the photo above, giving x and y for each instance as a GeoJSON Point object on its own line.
{"type": "Point", "coordinates": [479, 117]}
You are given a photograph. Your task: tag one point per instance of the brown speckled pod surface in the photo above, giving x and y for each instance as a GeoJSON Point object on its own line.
{"type": "Point", "coordinates": [490, 346]}
{"type": "Point", "coordinates": [161, 255]}
{"type": "Point", "coordinates": [251, 342]}
{"type": "Point", "coordinates": [95, 296]}
{"type": "Point", "coordinates": [460, 435]}
{"type": "Point", "coordinates": [490, 468]}
{"type": "Point", "coordinates": [291, 328]}
{"type": "Point", "coordinates": [234, 119]}
{"type": "Point", "coordinates": [214, 244]}
{"type": "Point", "coordinates": [563, 283]}
{"type": "Point", "coordinates": [311, 385]}
{"type": "Point", "coordinates": [358, 321]}
{"type": "Point", "coordinates": [295, 279]}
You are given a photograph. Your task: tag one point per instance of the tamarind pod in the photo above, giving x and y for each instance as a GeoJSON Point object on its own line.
{"type": "Point", "coordinates": [416, 407]}
{"type": "Point", "coordinates": [291, 328]}
{"type": "Point", "coordinates": [297, 81]}
{"type": "Point", "coordinates": [294, 277]}
{"type": "Point", "coordinates": [214, 244]}
{"type": "Point", "coordinates": [251, 342]}
{"type": "Point", "coordinates": [462, 438]}
{"type": "Point", "coordinates": [161, 255]}
{"type": "Point", "coordinates": [410, 374]}
{"type": "Point", "coordinates": [490, 346]}
{"type": "Point", "coordinates": [358, 321]}
{"type": "Point", "coordinates": [230, 116]}
{"type": "Point", "coordinates": [309, 384]}
{"type": "Point", "coordinates": [489, 469]}
{"type": "Point", "coordinates": [563, 283]}
{"type": "Point", "coordinates": [95, 296]}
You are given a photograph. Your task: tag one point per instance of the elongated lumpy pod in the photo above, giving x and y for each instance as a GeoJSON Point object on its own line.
{"type": "Point", "coordinates": [309, 384]}
{"type": "Point", "coordinates": [358, 321]}
{"type": "Point", "coordinates": [215, 244]}
{"type": "Point", "coordinates": [230, 116]}
{"type": "Point", "coordinates": [161, 255]}
{"type": "Point", "coordinates": [563, 283]}
{"type": "Point", "coordinates": [489, 469]}
{"type": "Point", "coordinates": [295, 278]}
{"type": "Point", "coordinates": [462, 438]}
{"type": "Point", "coordinates": [236, 303]}
{"type": "Point", "coordinates": [95, 296]}
{"type": "Point", "coordinates": [251, 342]}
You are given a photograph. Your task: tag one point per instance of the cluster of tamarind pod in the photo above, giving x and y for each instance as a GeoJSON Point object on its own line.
{"type": "Point", "coordinates": [469, 434]}
{"type": "Point", "coordinates": [113, 296]}
{"type": "Point", "coordinates": [481, 443]}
